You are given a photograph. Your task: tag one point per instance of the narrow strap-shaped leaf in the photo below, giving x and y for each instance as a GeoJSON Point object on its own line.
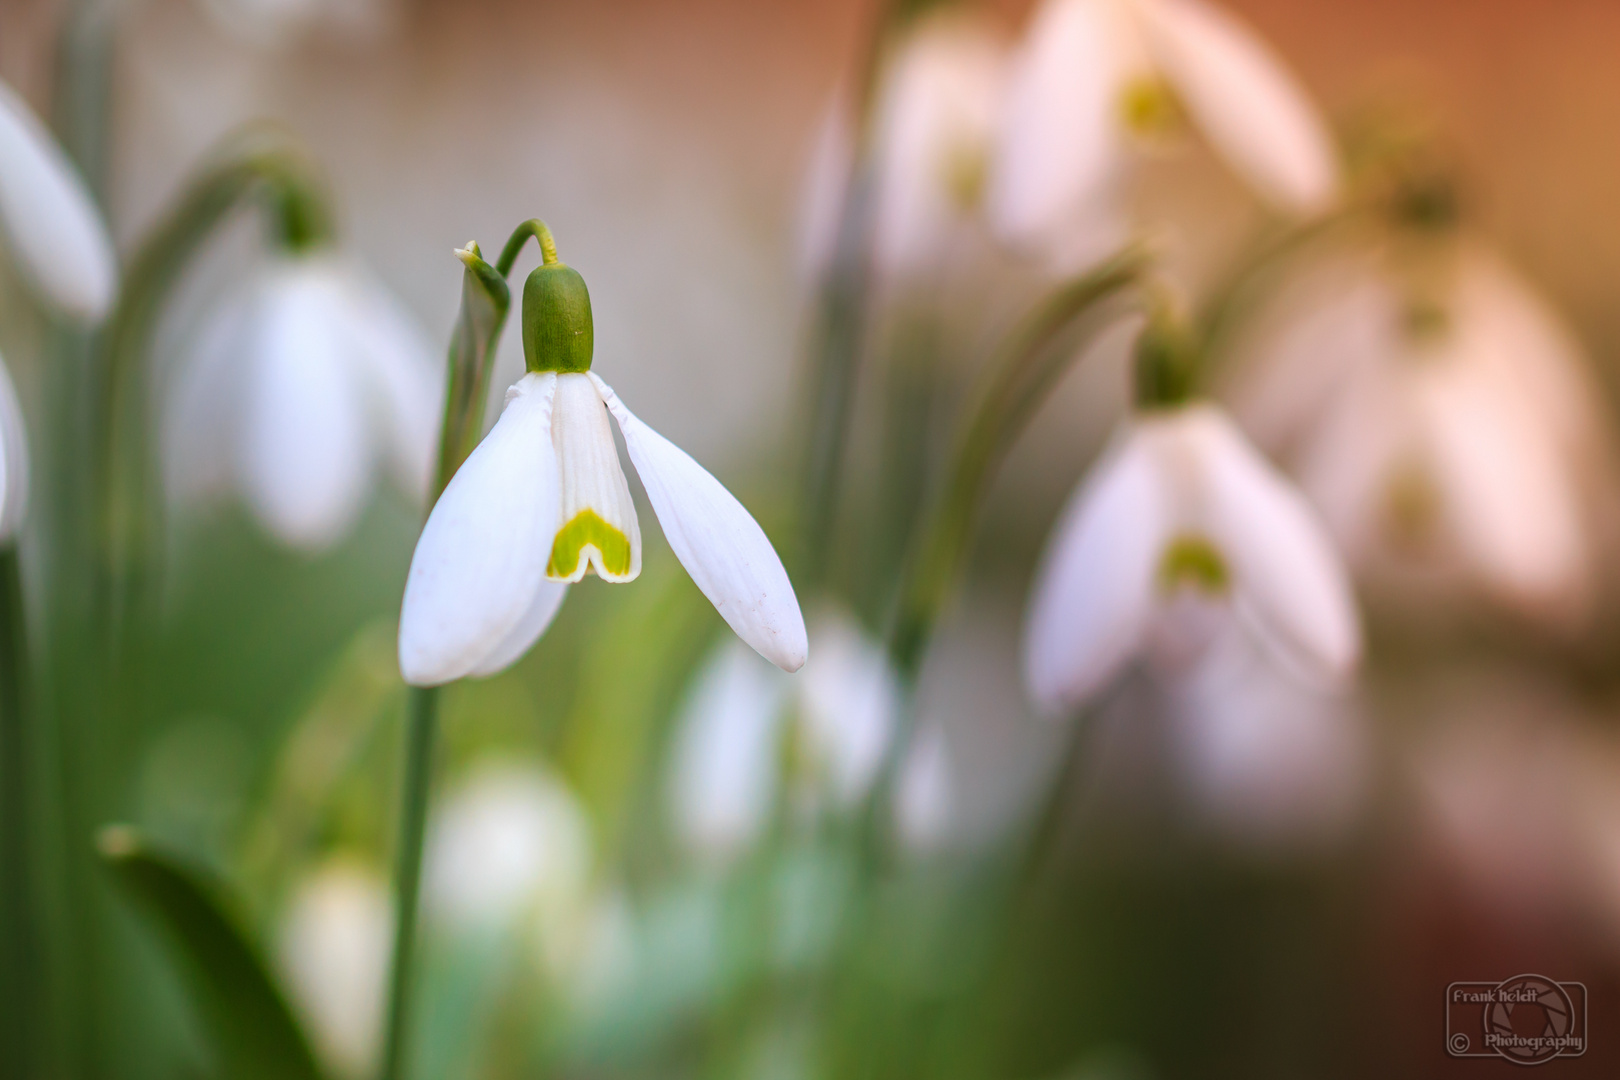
{"type": "Point", "coordinates": [248, 1023]}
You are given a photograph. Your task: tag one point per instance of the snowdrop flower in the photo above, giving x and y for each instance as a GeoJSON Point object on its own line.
{"type": "Point", "coordinates": [334, 944]}
{"type": "Point", "coordinates": [1180, 524]}
{"type": "Point", "coordinates": [933, 126]}
{"type": "Point", "coordinates": [13, 460]}
{"type": "Point", "coordinates": [294, 388]}
{"type": "Point", "coordinates": [1096, 82]}
{"type": "Point", "coordinates": [731, 731]}
{"type": "Point", "coordinates": [509, 837]}
{"type": "Point", "coordinates": [1452, 415]}
{"type": "Point", "coordinates": [1266, 756]}
{"type": "Point", "coordinates": [48, 217]}
{"type": "Point", "coordinates": [543, 501]}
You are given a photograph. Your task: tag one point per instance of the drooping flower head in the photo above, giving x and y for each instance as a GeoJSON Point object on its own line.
{"type": "Point", "coordinates": [745, 728]}
{"type": "Point", "coordinates": [1096, 82]}
{"type": "Point", "coordinates": [1437, 413]}
{"type": "Point", "coordinates": [932, 134]}
{"type": "Point", "coordinates": [49, 220]}
{"type": "Point", "coordinates": [295, 388]}
{"type": "Point", "coordinates": [543, 501]}
{"type": "Point", "coordinates": [1182, 524]}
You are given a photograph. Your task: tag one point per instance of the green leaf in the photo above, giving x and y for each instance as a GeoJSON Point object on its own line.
{"type": "Point", "coordinates": [485, 300]}
{"type": "Point", "coordinates": [251, 1029]}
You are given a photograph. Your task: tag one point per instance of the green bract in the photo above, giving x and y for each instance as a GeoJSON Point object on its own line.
{"type": "Point", "coordinates": [557, 332]}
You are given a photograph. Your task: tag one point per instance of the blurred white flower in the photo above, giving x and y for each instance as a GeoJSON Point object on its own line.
{"type": "Point", "coordinates": [730, 735]}
{"type": "Point", "coordinates": [333, 947]}
{"type": "Point", "coordinates": [49, 218]}
{"type": "Point", "coordinates": [726, 751]}
{"type": "Point", "coordinates": [1097, 82]}
{"type": "Point", "coordinates": [13, 460]}
{"type": "Point", "coordinates": [293, 388]}
{"type": "Point", "coordinates": [926, 798]}
{"type": "Point", "coordinates": [1268, 757]}
{"type": "Point", "coordinates": [1181, 522]}
{"type": "Point", "coordinates": [1455, 418]}
{"type": "Point", "coordinates": [932, 132]}
{"type": "Point", "coordinates": [508, 839]}
{"type": "Point", "coordinates": [542, 501]}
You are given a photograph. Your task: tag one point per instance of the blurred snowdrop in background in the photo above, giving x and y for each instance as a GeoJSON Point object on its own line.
{"type": "Point", "coordinates": [1186, 426]}
{"type": "Point", "coordinates": [1434, 409]}
{"type": "Point", "coordinates": [1182, 525]}
{"type": "Point", "coordinates": [333, 952]}
{"type": "Point", "coordinates": [305, 382]}
{"type": "Point", "coordinates": [50, 222]}
{"type": "Point", "coordinates": [1097, 83]}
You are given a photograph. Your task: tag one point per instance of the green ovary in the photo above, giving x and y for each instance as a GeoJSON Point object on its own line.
{"type": "Point", "coordinates": [1151, 110]}
{"type": "Point", "coordinates": [1195, 561]}
{"type": "Point", "coordinates": [588, 530]}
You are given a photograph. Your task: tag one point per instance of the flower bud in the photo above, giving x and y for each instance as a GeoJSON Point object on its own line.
{"type": "Point", "coordinates": [557, 331]}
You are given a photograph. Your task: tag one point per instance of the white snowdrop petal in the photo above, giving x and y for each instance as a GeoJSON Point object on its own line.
{"type": "Point", "coordinates": [505, 838]}
{"type": "Point", "coordinates": [203, 416]}
{"type": "Point", "coordinates": [548, 600]}
{"type": "Point", "coordinates": [935, 119]}
{"type": "Point", "coordinates": [1245, 101]}
{"type": "Point", "coordinates": [403, 373]}
{"type": "Point", "coordinates": [306, 459]}
{"type": "Point", "coordinates": [718, 542]}
{"type": "Point", "coordinates": [1060, 147]}
{"type": "Point", "coordinates": [1283, 564]}
{"type": "Point", "coordinates": [481, 559]}
{"type": "Point", "coordinates": [14, 480]}
{"type": "Point", "coordinates": [49, 217]}
{"type": "Point", "coordinates": [333, 945]}
{"type": "Point", "coordinates": [1507, 497]}
{"type": "Point", "coordinates": [596, 524]}
{"type": "Point", "coordinates": [1094, 592]}
{"type": "Point", "coordinates": [723, 766]}
{"type": "Point", "coordinates": [850, 698]}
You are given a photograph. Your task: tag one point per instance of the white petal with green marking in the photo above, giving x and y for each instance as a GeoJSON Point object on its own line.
{"type": "Point", "coordinates": [718, 542]}
{"type": "Point", "coordinates": [596, 528]}
{"type": "Point", "coordinates": [1245, 101]}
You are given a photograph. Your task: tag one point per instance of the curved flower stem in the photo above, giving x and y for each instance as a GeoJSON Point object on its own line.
{"type": "Point", "coordinates": [1224, 309]}
{"type": "Point", "coordinates": [20, 1026]}
{"type": "Point", "coordinates": [485, 301]}
{"type": "Point", "coordinates": [260, 168]}
{"type": "Point", "coordinates": [1028, 365]}
{"type": "Point", "coordinates": [533, 227]}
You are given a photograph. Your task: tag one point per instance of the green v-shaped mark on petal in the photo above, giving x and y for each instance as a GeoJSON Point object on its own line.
{"type": "Point", "coordinates": [575, 542]}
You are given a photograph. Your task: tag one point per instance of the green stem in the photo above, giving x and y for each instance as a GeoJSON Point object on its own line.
{"type": "Point", "coordinates": [128, 523]}
{"type": "Point", "coordinates": [842, 303]}
{"type": "Point", "coordinates": [1028, 365]}
{"type": "Point", "coordinates": [533, 227]}
{"type": "Point", "coordinates": [422, 721]}
{"type": "Point", "coordinates": [1224, 309]}
{"type": "Point", "coordinates": [485, 301]}
{"type": "Point", "coordinates": [20, 982]}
